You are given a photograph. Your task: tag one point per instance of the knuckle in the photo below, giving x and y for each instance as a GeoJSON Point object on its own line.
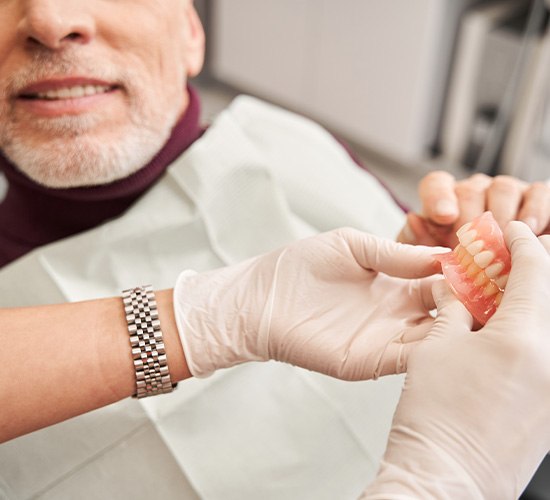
{"type": "Point", "coordinates": [469, 190]}
{"type": "Point", "coordinates": [505, 184]}
{"type": "Point", "coordinates": [436, 178]}
{"type": "Point", "coordinates": [477, 182]}
{"type": "Point", "coordinates": [438, 175]}
{"type": "Point", "coordinates": [480, 178]}
{"type": "Point", "coordinates": [539, 188]}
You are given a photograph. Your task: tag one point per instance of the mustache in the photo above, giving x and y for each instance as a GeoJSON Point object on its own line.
{"type": "Point", "coordinates": [46, 65]}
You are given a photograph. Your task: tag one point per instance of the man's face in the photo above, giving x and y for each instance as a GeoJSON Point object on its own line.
{"type": "Point", "coordinates": [90, 89]}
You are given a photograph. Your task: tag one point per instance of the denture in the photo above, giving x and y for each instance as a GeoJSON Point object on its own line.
{"type": "Point", "coordinates": [477, 269]}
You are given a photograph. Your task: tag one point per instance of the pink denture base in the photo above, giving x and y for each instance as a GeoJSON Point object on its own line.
{"type": "Point", "coordinates": [481, 306]}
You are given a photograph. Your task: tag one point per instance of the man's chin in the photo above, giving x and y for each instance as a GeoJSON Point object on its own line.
{"type": "Point", "coordinates": [80, 162]}
{"type": "Point", "coordinates": [74, 176]}
{"type": "Point", "coordinates": [86, 150]}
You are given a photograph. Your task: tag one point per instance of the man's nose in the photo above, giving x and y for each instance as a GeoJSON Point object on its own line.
{"type": "Point", "coordinates": [56, 23]}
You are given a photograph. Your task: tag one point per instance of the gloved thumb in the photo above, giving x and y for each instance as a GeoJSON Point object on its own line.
{"type": "Point", "coordinates": [450, 311]}
{"type": "Point", "coordinates": [528, 255]}
{"type": "Point", "coordinates": [527, 290]}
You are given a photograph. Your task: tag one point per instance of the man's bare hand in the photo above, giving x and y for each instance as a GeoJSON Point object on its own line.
{"type": "Point", "coordinates": [447, 204]}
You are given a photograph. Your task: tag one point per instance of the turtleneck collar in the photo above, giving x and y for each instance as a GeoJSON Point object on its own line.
{"type": "Point", "coordinates": [32, 215]}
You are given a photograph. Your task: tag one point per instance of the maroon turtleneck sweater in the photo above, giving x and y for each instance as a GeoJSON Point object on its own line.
{"type": "Point", "coordinates": [32, 215]}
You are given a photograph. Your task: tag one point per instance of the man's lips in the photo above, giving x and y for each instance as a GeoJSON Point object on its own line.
{"type": "Point", "coordinates": [66, 96]}
{"type": "Point", "coordinates": [66, 88]}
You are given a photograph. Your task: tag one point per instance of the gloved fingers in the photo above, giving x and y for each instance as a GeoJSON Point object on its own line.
{"type": "Point", "coordinates": [529, 276]}
{"type": "Point", "coordinates": [522, 242]}
{"type": "Point", "coordinates": [425, 291]}
{"type": "Point", "coordinates": [390, 257]}
{"type": "Point", "coordinates": [417, 332]}
{"type": "Point", "coordinates": [395, 359]}
{"type": "Point", "coordinates": [545, 240]}
{"type": "Point", "coordinates": [529, 255]}
{"type": "Point", "coordinates": [452, 316]}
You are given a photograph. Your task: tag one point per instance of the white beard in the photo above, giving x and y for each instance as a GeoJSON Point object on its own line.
{"type": "Point", "coordinates": [78, 152]}
{"type": "Point", "coordinates": [74, 158]}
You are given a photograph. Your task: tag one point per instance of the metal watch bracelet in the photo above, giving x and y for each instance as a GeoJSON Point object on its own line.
{"type": "Point", "coordinates": [148, 351]}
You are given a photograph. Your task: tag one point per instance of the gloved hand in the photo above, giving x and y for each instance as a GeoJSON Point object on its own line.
{"type": "Point", "coordinates": [473, 421]}
{"type": "Point", "coordinates": [339, 303]}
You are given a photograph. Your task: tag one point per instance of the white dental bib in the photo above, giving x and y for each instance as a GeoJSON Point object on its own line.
{"type": "Point", "coordinates": [259, 178]}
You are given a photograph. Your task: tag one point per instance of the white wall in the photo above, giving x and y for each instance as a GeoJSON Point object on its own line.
{"type": "Point", "coordinates": [372, 70]}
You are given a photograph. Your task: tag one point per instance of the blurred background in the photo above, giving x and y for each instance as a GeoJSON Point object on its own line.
{"type": "Point", "coordinates": [411, 85]}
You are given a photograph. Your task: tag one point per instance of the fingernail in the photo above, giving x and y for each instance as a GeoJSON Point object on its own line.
{"type": "Point", "coordinates": [446, 207]}
{"type": "Point", "coordinates": [408, 233]}
{"type": "Point", "coordinates": [532, 223]}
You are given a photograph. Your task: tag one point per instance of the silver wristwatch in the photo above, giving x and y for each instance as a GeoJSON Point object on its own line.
{"type": "Point", "coordinates": [148, 352]}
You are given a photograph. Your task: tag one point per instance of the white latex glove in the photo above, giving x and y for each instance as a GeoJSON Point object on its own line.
{"type": "Point", "coordinates": [322, 303]}
{"type": "Point", "coordinates": [473, 421]}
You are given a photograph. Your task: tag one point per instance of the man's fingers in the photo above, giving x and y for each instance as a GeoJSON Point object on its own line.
{"type": "Point", "coordinates": [415, 232]}
{"type": "Point", "coordinates": [391, 258]}
{"type": "Point", "coordinates": [445, 202]}
{"type": "Point", "coordinates": [535, 211]}
{"type": "Point", "coordinates": [545, 240]}
{"type": "Point", "coordinates": [471, 194]}
{"type": "Point", "coordinates": [437, 194]}
{"type": "Point", "coordinates": [504, 197]}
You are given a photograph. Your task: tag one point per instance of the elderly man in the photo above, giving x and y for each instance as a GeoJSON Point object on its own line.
{"type": "Point", "coordinates": [112, 180]}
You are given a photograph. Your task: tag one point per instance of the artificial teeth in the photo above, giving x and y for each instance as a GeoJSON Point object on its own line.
{"type": "Point", "coordinates": [465, 228]}
{"type": "Point", "coordinates": [466, 260]}
{"type": "Point", "coordinates": [459, 251]}
{"type": "Point", "coordinates": [475, 247]}
{"type": "Point", "coordinates": [501, 281]}
{"type": "Point", "coordinates": [467, 237]}
{"type": "Point", "coordinates": [473, 270]}
{"type": "Point", "coordinates": [490, 289]}
{"type": "Point", "coordinates": [483, 259]}
{"type": "Point", "coordinates": [481, 279]}
{"type": "Point", "coordinates": [494, 270]}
